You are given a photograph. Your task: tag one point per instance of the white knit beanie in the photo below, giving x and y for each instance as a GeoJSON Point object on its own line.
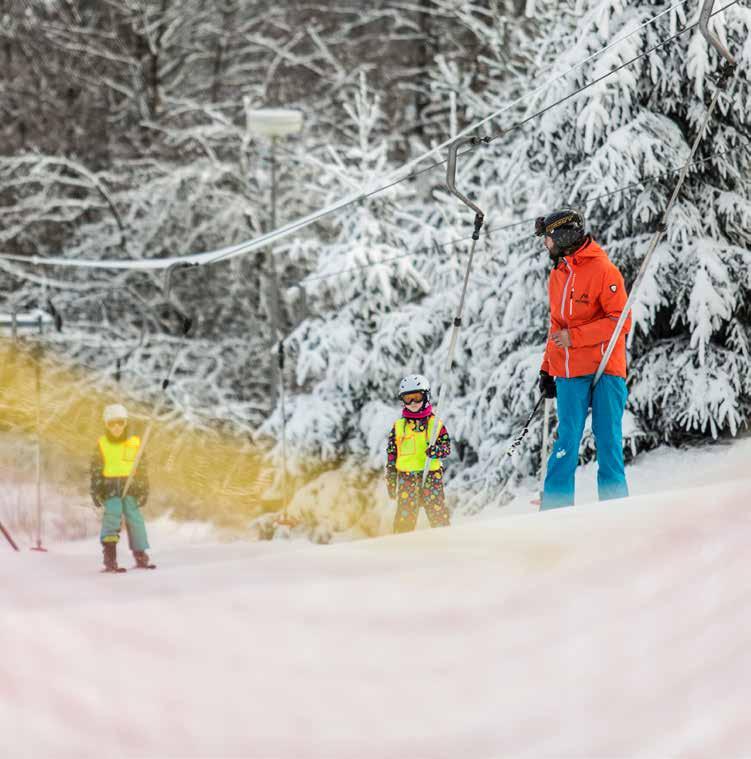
{"type": "Point", "coordinates": [115, 411]}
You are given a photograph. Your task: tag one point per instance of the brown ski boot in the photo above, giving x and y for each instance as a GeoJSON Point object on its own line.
{"type": "Point", "coordinates": [110, 557]}
{"type": "Point", "coordinates": [142, 560]}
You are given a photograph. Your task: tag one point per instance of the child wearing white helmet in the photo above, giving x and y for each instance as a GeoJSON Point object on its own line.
{"type": "Point", "coordinates": [407, 452]}
{"type": "Point", "coordinates": [115, 462]}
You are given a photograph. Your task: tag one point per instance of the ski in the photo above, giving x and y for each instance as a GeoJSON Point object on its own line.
{"type": "Point", "coordinates": [145, 566]}
{"type": "Point", "coordinates": [8, 537]}
{"type": "Point", "coordinates": [119, 570]}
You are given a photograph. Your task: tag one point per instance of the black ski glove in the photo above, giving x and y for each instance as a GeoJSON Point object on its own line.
{"type": "Point", "coordinates": [546, 383]}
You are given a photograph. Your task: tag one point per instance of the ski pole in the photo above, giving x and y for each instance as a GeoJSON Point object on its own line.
{"type": "Point", "coordinates": [187, 323]}
{"type": "Point", "coordinates": [515, 444]}
{"type": "Point", "coordinates": [545, 436]}
{"type": "Point", "coordinates": [479, 220]}
{"type": "Point", "coordinates": [284, 519]}
{"type": "Point", "coordinates": [519, 439]}
{"type": "Point", "coordinates": [726, 72]}
{"type": "Point", "coordinates": [58, 321]}
{"type": "Point", "coordinates": [156, 411]}
{"type": "Point", "coordinates": [38, 386]}
{"type": "Point", "coordinates": [8, 537]}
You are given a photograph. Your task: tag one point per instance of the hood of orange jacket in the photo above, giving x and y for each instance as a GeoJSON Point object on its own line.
{"type": "Point", "coordinates": [587, 295]}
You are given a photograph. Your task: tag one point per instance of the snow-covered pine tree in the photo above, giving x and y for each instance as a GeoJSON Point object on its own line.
{"type": "Point", "coordinates": [690, 373]}
{"type": "Point", "coordinates": [413, 336]}
{"type": "Point", "coordinates": [689, 370]}
{"type": "Point", "coordinates": [496, 362]}
{"type": "Point", "coordinates": [485, 47]}
{"type": "Point", "coordinates": [364, 329]}
{"type": "Point", "coordinates": [692, 324]}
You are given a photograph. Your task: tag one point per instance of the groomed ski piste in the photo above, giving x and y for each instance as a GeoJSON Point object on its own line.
{"type": "Point", "coordinates": [609, 629]}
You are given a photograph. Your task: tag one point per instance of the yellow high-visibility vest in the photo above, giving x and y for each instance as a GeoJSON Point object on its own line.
{"type": "Point", "coordinates": [119, 457]}
{"type": "Point", "coordinates": [411, 446]}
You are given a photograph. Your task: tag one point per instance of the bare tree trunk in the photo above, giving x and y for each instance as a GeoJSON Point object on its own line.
{"type": "Point", "coordinates": [154, 83]}
{"type": "Point", "coordinates": [423, 52]}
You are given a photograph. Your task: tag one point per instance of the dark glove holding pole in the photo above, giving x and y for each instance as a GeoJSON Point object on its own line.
{"type": "Point", "coordinates": [546, 383]}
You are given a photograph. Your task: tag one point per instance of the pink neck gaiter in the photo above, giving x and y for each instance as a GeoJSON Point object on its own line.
{"type": "Point", "coordinates": [426, 412]}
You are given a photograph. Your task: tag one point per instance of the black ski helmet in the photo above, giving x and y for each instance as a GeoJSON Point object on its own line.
{"type": "Point", "coordinates": [564, 227]}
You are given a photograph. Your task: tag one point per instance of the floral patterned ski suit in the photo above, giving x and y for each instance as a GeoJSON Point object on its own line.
{"type": "Point", "coordinates": [406, 486]}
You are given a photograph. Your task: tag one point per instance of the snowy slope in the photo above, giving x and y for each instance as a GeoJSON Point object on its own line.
{"type": "Point", "coordinates": [658, 471]}
{"type": "Point", "coordinates": [617, 629]}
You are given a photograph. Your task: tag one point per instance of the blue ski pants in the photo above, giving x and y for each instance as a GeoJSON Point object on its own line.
{"type": "Point", "coordinates": [114, 510]}
{"type": "Point", "coordinates": [608, 402]}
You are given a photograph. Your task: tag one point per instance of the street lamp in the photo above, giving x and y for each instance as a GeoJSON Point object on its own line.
{"type": "Point", "coordinates": [275, 123]}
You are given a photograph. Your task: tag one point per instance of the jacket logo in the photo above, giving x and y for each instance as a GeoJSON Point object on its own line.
{"type": "Point", "coordinates": [613, 288]}
{"type": "Point", "coordinates": [583, 298]}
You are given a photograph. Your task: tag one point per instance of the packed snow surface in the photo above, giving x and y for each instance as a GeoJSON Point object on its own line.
{"type": "Point", "coordinates": [613, 629]}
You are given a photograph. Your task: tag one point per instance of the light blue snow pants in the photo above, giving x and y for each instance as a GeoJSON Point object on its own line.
{"type": "Point", "coordinates": [608, 401]}
{"type": "Point", "coordinates": [114, 509]}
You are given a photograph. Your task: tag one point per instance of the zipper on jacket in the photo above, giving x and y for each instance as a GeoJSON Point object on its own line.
{"type": "Point", "coordinates": [571, 297]}
{"type": "Point", "coordinates": [563, 306]}
{"type": "Point", "coordinates": [565, 288]}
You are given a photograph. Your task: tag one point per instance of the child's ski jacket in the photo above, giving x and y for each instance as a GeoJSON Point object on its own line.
{"type": "Point", "coordinates": [408, 446]}
{"type": "Point", "coordinates": [111, 465]}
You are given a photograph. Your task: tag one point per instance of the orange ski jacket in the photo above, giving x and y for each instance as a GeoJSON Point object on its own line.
{"type": "Point", "coordinates": [587, 296]}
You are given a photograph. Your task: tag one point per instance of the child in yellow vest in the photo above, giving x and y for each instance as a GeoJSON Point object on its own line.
{"type": "Point", "coordinates": [408, 450]}
{"type": "Point", "coordinates": [112, 465]}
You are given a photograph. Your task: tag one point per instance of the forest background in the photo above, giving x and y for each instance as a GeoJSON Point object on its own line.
{"type": "Point", "coordinates": [125, 134]}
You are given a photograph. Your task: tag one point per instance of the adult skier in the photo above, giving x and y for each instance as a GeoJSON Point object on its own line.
{"type": "Point", "coordinates": [407, 452]}
{"type": "Point", "coordinates": [587, 296]}
{"type": "Point", "coordinates": [111, 466]}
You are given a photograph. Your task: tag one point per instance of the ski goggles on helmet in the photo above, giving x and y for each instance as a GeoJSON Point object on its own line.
{"type": "Point", "coordinates": [416, 397]}
{"type": "Point", "coordinates": [567, 219]}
